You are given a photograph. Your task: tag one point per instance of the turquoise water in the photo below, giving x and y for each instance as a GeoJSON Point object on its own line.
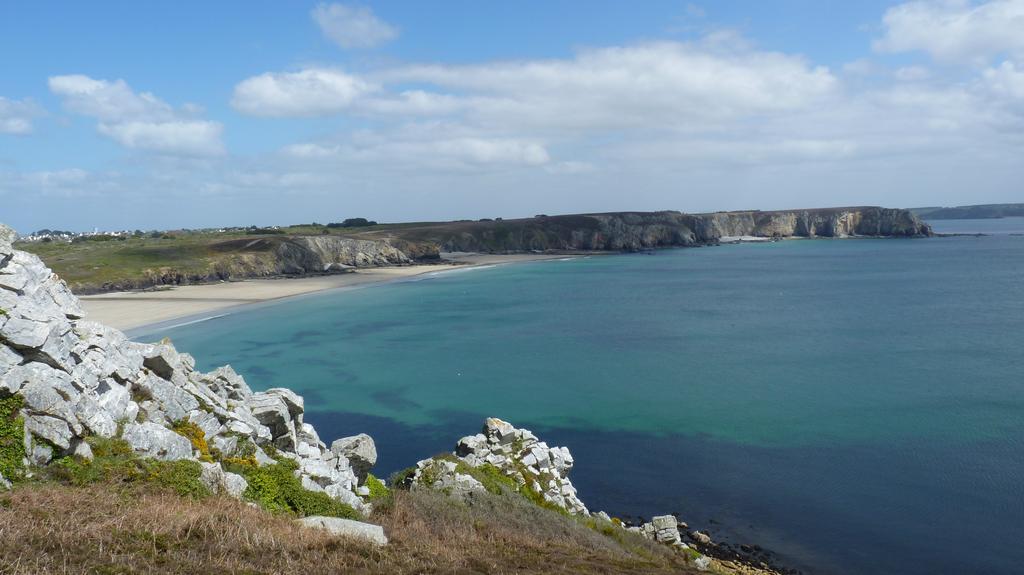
{"type": "Point", "coordinates": [849, 404]}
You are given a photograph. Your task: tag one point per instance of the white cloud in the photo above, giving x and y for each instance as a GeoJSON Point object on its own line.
{"type": "Point", "coordinates": [174, 137]}
{"type": "Point", "coordinates": [665, 85]}
{"type": "Point", "coordinates": [415, 146]}
{"type": "Point", "coordinates": [955, 30]}
{"type": "Point", "coordinates": [311, 92]}
{"type": "Point", "coordinates": [1006, 80]}
{"type": "Point", "coordinates": [352, 26]}
{"type": "Point", "coordinates": [139, 120]}
{"type": "Point", "coordinates": [16, 116]}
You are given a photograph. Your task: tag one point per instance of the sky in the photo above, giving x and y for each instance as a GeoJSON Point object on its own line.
{"type": "Point", "coordinates": [141, 115]}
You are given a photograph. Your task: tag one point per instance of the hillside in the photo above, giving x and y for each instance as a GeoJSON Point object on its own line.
{"type": "Point", "coordinates": [977, 212]}
{"type": "Point", "coordinates": [186, 257]}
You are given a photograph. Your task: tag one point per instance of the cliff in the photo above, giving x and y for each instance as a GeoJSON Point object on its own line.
{"type": "Point", "coordinates": [631, 231]}
{"type": "Point", "coordinates": [190, 258]}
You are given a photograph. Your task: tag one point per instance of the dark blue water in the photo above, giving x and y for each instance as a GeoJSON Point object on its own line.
{"type": "Point", "coordinates": [855, 405]}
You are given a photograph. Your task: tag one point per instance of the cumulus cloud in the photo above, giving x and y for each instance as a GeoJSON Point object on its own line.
{"type": "Point", "coordinates": [352, 26]}
{"type": "Point", "coordinates": [138, 120]}
{"type": "Point", "coordinates": [655, 85]}
{"type": "Point", "coordinates": [16, 116]}
{"type": "Point", "coordinates": [955, 30]}
{"type": "Point", "coordinates": [311, 92]}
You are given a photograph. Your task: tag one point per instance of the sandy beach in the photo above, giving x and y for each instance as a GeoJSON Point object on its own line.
{"type": "Point", "coordinates": [133, 310]}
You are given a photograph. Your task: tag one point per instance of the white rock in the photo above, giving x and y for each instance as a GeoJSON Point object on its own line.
{"type": "Point", "coordinates": [52, 429]}
{"type": "Point", "coordinates": [347, 528]}
{"type": "Point", "coordinates": [217, 480]}
{"type": "Point", "coordinates": [151, 440]}
{"type": "Point", "coordinates": [361, 452]}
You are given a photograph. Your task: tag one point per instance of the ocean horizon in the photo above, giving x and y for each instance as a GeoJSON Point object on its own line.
{"type": "Point", "coordinates": [843, 403]}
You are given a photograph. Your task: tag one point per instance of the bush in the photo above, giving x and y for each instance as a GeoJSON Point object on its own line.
{"type": "Point", "coordinates": [378, 490]}
{"type": "Point", "coordinates": [197, 436]}
{"type": "Point", "coordinates": [275, 488]}
{"type": "Point", "coordinates": [12, 437]}
{"type": "Point", "coordinates": [115, 463]}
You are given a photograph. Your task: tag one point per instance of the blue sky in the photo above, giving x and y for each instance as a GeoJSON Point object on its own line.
{"type": "Point", "coordinates": [144, 115]}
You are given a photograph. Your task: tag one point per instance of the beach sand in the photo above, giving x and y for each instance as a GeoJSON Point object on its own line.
{"type": "Point", "coordinates": [133, 310]}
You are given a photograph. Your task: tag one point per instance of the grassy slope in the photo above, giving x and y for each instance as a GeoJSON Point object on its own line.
{"type": "Point", "coordinates": [50, 528]}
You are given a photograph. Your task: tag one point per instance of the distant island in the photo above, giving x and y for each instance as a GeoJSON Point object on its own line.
{"type": "Point", "coordinates": [118, 261]}
{"type": "Point", "coordinates": [978, 212]}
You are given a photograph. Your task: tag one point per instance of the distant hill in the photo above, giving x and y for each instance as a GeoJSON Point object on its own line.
{"type": "Point", "coordinates": [979, 212]}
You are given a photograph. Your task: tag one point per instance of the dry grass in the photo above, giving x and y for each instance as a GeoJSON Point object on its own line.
{"type": "Point", "coordinates": [97, 529]}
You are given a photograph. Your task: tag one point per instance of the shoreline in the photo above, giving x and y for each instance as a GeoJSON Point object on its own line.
{"type": "Point", "coordinates": [139, 312]}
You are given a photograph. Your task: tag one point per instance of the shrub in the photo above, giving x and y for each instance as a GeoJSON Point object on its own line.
{"type": "Point", "coordinates": [275, 488]}
{"type": "Point", "coordinates": [12, 437]}
{"type": "Point", "coordinates": [197, 436]}
{"type": "Point", "coordinates": [114, 462]}
{"type": "Point", "coordinates": [377, 488]}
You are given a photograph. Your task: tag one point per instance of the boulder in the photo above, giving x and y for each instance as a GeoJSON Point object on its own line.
{"type": "Point", "coordinates": [347, 528]}
{"type": "Point", "coordinates": [361, 452]}
{"type": "Point", "coordinates": [152, 440]}
{"type": "Point", "coordinates": [52, 429]}
{"type": "Point", "coordinates": [700, 537]}
{"type": "Point", "coordinates": [666, 530]}
{"type": "Point", "coordinates": [219, 481]}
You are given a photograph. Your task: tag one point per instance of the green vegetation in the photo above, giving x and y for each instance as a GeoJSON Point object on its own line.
{"type": "Point", "coordinates": [378, 491]}
{"type": "Point", "coordinates": [115, 463]}
{"type": "Point", "coordinates": [275, 488]}
{"type": "Point", "coordinates": [197, 436]}
{"type": "Point", "coordinates": [12, 437]}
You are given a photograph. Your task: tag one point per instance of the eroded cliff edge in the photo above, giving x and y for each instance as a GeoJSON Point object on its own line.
{"type": "Point", "coordinates": [631, 231]}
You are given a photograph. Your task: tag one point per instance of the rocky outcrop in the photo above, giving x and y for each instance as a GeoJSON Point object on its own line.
{"type": "Point", "coordinates": [631, 231]}
{"type": "Point", "coordinates": [76, 378]}
{"type": "Point", "coordinates": [503, 458]}
{"type": "Point", "coordinates": [514, 453]}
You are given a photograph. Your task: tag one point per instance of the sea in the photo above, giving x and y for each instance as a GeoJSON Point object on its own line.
{"type": "Point", "coordinates": [855, 406]}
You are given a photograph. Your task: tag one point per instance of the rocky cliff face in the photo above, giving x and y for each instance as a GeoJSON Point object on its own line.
{"type": "Point", "coordinates": [74, 379]}
{"type": "Point", "coordinates": [306, 254]}
{"type": "Point", "coordinates": [631, 231]}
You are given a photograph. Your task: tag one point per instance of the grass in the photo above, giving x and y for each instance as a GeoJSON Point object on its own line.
{"type": "Point", "coordinates": [50, 528]}
{"type": "Point", "coordinates": [12, 437]}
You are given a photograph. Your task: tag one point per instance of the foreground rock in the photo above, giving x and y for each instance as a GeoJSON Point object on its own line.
{"type": "Point", "coordinates": [347, 528]}
{"type": "Point", "coordinates": [76, 378]}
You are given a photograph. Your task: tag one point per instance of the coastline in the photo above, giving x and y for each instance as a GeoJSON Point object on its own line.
{"type": "Point", "coordinates": [136, 312]}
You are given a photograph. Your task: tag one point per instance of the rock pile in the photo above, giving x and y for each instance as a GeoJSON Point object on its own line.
{"type": "Point", "coordinates": [78, 378]}
{"type": "Point", "coordinates": [516, 453]}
